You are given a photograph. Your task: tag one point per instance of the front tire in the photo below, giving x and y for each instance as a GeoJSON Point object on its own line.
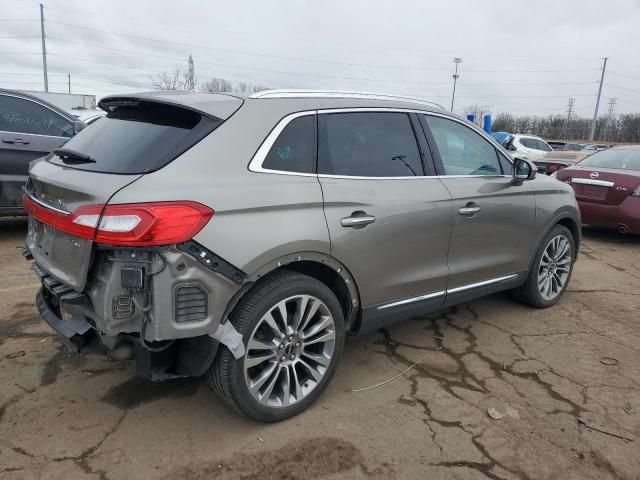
{"type": "Point", "coordinates": [551, 270]}
{"type": "Point", "coordinates": [293, 332]}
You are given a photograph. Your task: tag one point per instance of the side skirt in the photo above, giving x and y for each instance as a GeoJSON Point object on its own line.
{"type": "Point", "coordinates": [385, 314]}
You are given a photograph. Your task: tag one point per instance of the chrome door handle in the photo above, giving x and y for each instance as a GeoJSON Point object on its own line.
{"type": "Point", "coordinates": [15, 140]}
{"type": "Point", "coordinates": [355, 222]}
{"type": "Point", "coordinates": [469, 211]}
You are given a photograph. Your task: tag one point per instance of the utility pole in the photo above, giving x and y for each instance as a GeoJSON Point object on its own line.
{"type": "Point", "coordinates": [69, 79]}
{"type": "Point", "coordinates": [612, 106]}
{"type": "Point", "coordinates": [191, 82]}
{"type": "Point", "coordinates": [44, 50]}
{"type": "Point", "coordinates": [457, 61]}
{"type": "Point", "coordinates": [570, 106]}
{"type": "Point", "coordinates": [610, 118]}
{"type": "Point", "coordinates": [595, 113]}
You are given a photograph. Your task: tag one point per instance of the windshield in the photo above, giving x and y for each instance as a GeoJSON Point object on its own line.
{"type": "Point", "coordinates": [621, 159]}
{"type": "Point", "coordinates": [138, 138]}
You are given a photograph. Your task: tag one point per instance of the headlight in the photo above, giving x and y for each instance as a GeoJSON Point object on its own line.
{"type": "Point", "coordinates": [636, 192]}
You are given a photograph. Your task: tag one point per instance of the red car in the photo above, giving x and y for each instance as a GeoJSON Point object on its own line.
{"type": "Point", "coordinates": [607, 186]}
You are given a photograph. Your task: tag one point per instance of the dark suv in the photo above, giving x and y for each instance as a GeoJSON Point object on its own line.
{"type": "Point", "coordinates": [29, 129]}
{"type": "Point", "coordinates": [243, 238]}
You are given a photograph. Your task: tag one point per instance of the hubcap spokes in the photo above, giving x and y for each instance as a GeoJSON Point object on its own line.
{"type": "Point", "coordinates": [289, 351]}
{"type": "Point", "coordinates": [554, 268]}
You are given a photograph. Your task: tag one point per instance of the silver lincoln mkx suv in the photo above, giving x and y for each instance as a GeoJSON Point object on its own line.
{"type": "Point", "coordinates": [244, 238]}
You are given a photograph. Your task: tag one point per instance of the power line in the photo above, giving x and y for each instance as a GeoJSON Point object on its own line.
{"type": "Point", "coordinates": [282, 57]}
{"type": "Point", "coordinates": [624, 75]}
{"type": "Point", "coordinates": [621, 88]}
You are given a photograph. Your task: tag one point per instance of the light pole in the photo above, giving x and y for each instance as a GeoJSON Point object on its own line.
{"type": "Point", "coordinates": [456, 60]}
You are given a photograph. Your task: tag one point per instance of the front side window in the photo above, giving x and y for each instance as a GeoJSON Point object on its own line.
{"type": "Point", "coordinates": [462, 150]}
{"type": "Point", "coordinates": [368, 144]}
{"type": "Point", "coordinates": [20, 115]}
{"type": "Point", "coordinates": [294, 149]}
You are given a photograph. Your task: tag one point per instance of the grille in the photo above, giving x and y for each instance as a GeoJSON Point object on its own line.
{"type": "Point", "coordinates": [122, 307]}
{"type": "Point", "coordinates": [191, 304]}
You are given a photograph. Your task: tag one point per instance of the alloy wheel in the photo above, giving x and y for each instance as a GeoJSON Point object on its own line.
{"type": "Point", "coordinates": [554, 268]}
{"type": "Point", "coordinates": [289, 351]}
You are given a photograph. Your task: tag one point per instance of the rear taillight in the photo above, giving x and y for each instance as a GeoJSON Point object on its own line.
{"type": "Point", "coordinates": [129, 224]}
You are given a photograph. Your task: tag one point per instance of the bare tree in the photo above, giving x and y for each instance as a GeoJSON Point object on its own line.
{"type": "Point", "coordinates": [217, 85]}
{"type": "Point", "coordinates": [169, 80]}
{"type": "Point", "coordinates": [612, 128]}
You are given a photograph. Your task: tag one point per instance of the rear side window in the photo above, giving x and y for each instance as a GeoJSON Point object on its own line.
{"type": "Point", "coordinates": [543, 146]}
{"type": "Point", "coordinates": [139, 137]}
{"type": "Point", "coordinates": [462, 150]}
{"type": "Point", "coordinates": [529, 143]}
{"type": "Point", "coordinates": [20, 115]}
{"type": "Point", "coordinates": [295, 148]}
{"type": "Point", "coordinates": [368, 144]}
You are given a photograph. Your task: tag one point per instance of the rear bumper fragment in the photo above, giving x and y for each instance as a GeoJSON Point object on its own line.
{"type": "Point", "coordinates": [71, 332]}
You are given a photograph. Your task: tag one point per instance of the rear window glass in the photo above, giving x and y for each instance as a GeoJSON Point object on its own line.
{"type": "Point", "coordinates": [618, 159]}
{"type": "Point", "coordinates": [294, 149]}
{"type": "Point", "coordinates": [138, 138]}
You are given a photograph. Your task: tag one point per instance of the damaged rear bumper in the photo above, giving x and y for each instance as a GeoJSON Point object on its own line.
{"type": "Point", "coordinates": [72, 332]}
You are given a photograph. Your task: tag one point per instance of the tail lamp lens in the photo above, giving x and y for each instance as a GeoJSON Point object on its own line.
{"type": "Point", "coordinates": [130, 224]}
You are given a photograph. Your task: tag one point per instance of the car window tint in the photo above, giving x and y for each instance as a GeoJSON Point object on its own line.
{"type": "Point", "coordinates": [505, 163]}
{"type": "Point", "coordinates": [529, 143]}
{"type": "Point", "coordinates": [368, 144]}
{"type": "Point", "coordinates": [24, 116]}
{"type": "Point", "coordinates": [462, 150]}
{"type": "Point", "coordinates": [543, 146]}
{"type": "Point", "coordinates": [294, 149]}
{"type": "Point", "coordinates": [139, 137]}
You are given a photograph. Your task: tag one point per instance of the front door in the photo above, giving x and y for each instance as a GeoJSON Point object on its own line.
{"type": "Point", "coordinates": [493, 219]}
{"type": "Point", "coordinates": [388, 221]}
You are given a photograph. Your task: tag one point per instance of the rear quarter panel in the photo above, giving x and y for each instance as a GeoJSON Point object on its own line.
{"type": "Point", "coordinates": [256, 214]}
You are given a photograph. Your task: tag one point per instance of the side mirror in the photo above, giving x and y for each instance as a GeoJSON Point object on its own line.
{"type": "Point", "coordinates": [78, 125]}
{"type": "Point", "coordinates": [523, 170]}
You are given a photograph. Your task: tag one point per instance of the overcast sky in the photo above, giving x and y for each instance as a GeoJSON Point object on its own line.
{"type": "Point", "coordinates": [518, 56]}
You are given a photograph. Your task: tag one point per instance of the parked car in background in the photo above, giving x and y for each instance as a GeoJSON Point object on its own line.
{"type": "Point", "coordinates": [89, 116]}
{"type": "Point", "coordinates": [29, 128]}
{"type": "Point", "coordinates": [595, 147]}
{"type": "Point", "coordinates": [557, 160]}
{"type": "Point", "coordinates": [564, 146]}
{"type": "Point", "coordinates": [607, 186]}
{"type": "Point", "coordinates": [335, 213]}
{"type": "Point", "coordinates": [528, 147]}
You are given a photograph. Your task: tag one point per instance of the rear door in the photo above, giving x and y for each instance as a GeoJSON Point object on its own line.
{"type": "Point", "coordinates": [389, 223]}
{"type": "Point", "coordinates": [28, 130]}
{"type": "Point", "coordinates": [492, 218]}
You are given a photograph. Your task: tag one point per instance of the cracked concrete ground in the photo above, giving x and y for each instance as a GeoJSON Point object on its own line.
{"type": "Point", "coordinates": [547, 373]}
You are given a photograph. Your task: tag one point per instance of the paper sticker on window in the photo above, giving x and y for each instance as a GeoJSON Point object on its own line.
{"type": "Point", "coordinates": [284, 153]}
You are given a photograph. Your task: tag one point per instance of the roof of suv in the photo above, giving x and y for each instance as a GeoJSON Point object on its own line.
{"type": "Point", "coordinates": [223, 105]}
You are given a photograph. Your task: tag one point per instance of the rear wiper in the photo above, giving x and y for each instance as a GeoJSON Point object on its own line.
{"type": "Point", "coordinates": [72, 156]}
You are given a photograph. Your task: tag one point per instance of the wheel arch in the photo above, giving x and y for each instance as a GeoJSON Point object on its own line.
{"type": "Point", "coordinates": [566, 219]}
{"type": "Point", "coordinates": [322, 267]}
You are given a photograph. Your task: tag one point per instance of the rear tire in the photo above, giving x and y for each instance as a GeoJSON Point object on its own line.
{"type": "Point", "coordinates": [551, 270]}
{"type": "Point", "coordinates": [292, 327]}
